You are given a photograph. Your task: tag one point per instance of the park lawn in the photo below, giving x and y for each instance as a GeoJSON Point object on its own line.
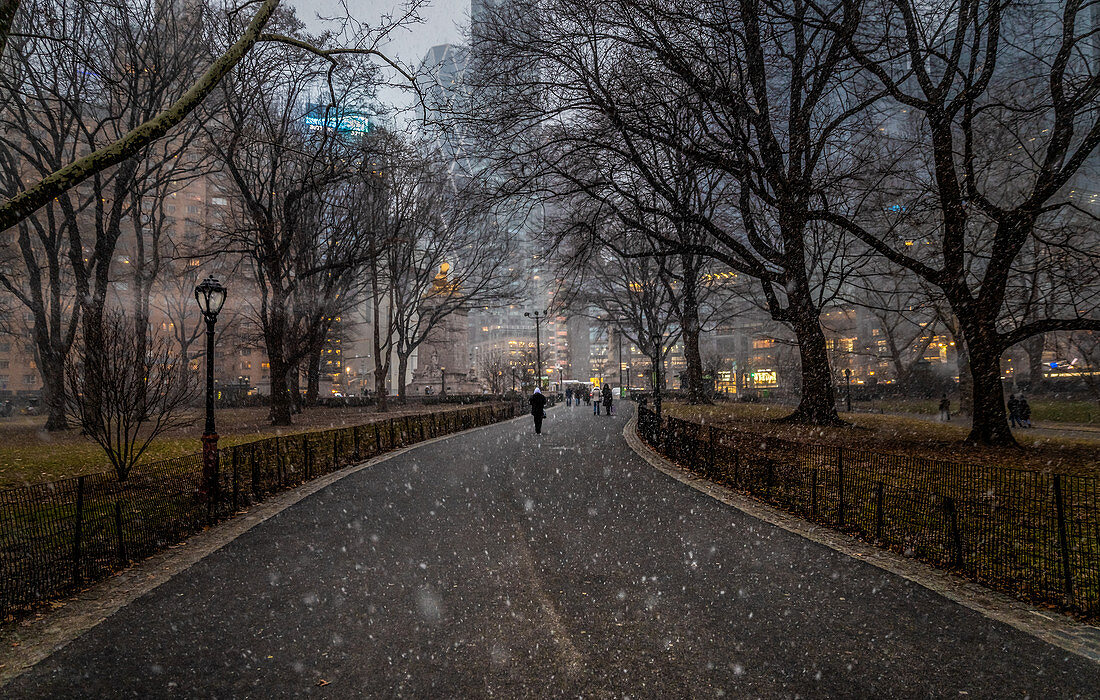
{"type": "Point", "coordinates": [30, 455]}
{"type": "Point", "coordinates": [1042, 409]}
{"type": "Point", "coordinates": [903, 435]}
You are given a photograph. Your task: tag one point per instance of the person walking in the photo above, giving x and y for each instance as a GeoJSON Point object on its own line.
{"type": "Point", "coordinates": [1014, 411]}
{"type": "Point", "coordinates": [607, 399]}
{"type": "Point", "coordinates": [569, 397]}
{"type": "Point", "coordinates": [1025, 412]}
{"type": "Point", "coordinates": [945, 409]}
{"type": "Point", "coordinates": [595, 402]}
{"type": "Point", "coordinates": [538, 404]}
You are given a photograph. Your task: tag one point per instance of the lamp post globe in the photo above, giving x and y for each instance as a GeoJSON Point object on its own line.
{"type": "Point", "coordinates": [210, 295]}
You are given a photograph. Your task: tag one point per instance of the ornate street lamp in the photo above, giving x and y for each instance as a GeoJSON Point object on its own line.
{"type": "Point", "coordinates": [211, 296]}
{"type": "Point", "coordinates": [538, 343]}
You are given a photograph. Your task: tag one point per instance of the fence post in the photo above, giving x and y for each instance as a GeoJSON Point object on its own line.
{"type": "Point", "coordinates": [77, 530]}
{"type": "Point", "coordinates": [393, 434]}
{"type": "Point", "coordinates": [1063, 540]}
{"type": "Point", "coordinates": [118, 533]}
{"type": "Point", "coordinates": [236, 480]}
{"type": "Point", "coordinates": [770, 477]}
{"type": "Point", "coordinates": [307, 457]}
{"type": "Point", "coordinates": [879, 498]}
{"type": "Point", "coordinates": [377, 439]}
{"type": "Point", "coordinates": [813, 494]}
{"type": "Point", "coordinates": [335, 450]}
{"type": "Point", "coordinates": [953, 528]}
{"type": "Point", "coordinates": [840, 486]}
{"type": "Point", "coordinates": [256, 471]}
{"type": "Point", "coordinates": [355, 440]}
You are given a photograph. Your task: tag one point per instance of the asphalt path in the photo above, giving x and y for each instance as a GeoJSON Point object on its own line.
{"type": "Point", "coordinates": [498, 563]}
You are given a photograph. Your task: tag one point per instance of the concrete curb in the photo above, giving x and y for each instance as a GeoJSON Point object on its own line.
{"type": "Point", "coordinates": [30, 642]}
{"type": "Point", "coordinates": [1051, 627]}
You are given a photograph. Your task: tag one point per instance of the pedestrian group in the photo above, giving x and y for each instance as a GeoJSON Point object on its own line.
{"type": "Point", "coordinates": [573, 397]}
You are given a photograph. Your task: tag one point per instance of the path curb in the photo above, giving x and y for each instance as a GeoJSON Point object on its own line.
{"type": "Point", "coordinates": [24, 646]}
{"type": "Point", "coordinates": [1052, 627]}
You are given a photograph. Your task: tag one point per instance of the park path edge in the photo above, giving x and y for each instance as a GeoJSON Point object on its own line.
{"type": "Point", "coordinates": [32, 641]}
{"type": "Point", "coordinates": [1049, 626]}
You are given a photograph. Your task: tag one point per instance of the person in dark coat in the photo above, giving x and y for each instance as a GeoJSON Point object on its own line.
{"type": "Point", "coordinates": [538, 404]}
{"type": "Point", "coordinates": [945, 409]}
{"type": "Point", "coordinates": [607, 399]}
{"type": "Point", "coordinates": [1014, 412]}
{"type": "Point", "coordinates": [1024, 409]}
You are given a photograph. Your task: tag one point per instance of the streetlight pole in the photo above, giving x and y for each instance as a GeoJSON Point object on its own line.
{"type": "Point", "coordinates": [848, 387]}
{"type": "Point", "coordinates": [620, 339]}
{"type": "Point", "coordinates": [211, 296]}
{"type": "Point", "coordinates": [538, 343]}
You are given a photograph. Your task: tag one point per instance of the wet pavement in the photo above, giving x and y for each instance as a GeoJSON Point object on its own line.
{"type": "Point", "coordinates": [498, 563]}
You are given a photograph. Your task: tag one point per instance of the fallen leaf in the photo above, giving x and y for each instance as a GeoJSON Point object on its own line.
{"type": "Point", "coordinates": [322, 683]}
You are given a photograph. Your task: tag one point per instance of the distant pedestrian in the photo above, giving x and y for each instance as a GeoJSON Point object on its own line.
{"type": "Point", "coordinates": [945, 409]}
{"type": "Point", "coordinates": [595, 402]}
{"type": "Point", "coordinates": [607, 399]}
{"type": "Point", "coordinates": [569, 397]}
{"type": "Point", "coordinates": [538, 405]}
{"type": "Point", "coordinates": [1025, 412]}
{"type": "Point", "coordinates": [1014, 412]}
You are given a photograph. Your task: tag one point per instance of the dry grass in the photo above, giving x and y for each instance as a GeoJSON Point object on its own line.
{"type": "Point", "coordinates": [909, 436]}
{"type": "Point", "coordinates": [29, 454]}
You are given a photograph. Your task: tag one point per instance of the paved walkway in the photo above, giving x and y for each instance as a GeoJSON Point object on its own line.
{"type": "Point", "coordinates": [499, 564]}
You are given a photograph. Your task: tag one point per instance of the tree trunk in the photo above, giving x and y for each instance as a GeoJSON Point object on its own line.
{"type": "Point", "coordinates": [294, 385]}
{"type": "Point", "coordinates": [966, 382]}
{"type": "Point", "coordinates": [52, 372]}
{"type": "Point", "coordinates": [281, 408]}
{"type": "Point", "coordinates": [818, 396]}
{"type": "Point", "coordinates": [8, 10]}
{"type": "Point", "coordinates": [1034, 347]}
{"type": "Point", "coordinates": [693, 359]}
{"type": "Point", "coordinates": [313, 376]}
{"type": "Point", "coordinates": [380, 387]}
{"type": "Point", "coordinates": [989, 425]}
{"type": "Point", "coordinates": [402, 368]}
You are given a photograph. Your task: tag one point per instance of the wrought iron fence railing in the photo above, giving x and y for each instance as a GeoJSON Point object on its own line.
{"type": "Point", "coordinates": [57, 536]}
{"type": "Point", "coordinates": [1032, 534]}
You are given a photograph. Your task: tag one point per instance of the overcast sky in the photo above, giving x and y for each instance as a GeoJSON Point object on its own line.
{"type": "Point", "coordinates": [442, 24]}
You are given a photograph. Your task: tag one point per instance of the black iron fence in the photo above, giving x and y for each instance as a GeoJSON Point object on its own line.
{"type": "Point", "coordinates": [59, 535]}
{"type": "Point", "coordinates": [1033, 534]}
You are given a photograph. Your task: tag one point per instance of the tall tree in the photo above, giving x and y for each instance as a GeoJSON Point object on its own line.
{"type": "Point", "coordinates": [1002, 98]}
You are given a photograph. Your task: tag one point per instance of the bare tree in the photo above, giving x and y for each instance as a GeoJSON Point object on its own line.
{"type": "Point", "coordinates": [125, 62]}
{"type": "Point", "coordinates": [494, 371]}
{"type": "Point", "coordinates": [287, 179]}
{"type": "Point", "coordinates": [124, 393]}
{"type": "Point", "coordinates": [450, 252]}
{"type": "Point", "coordinates": [756, 99]}
{"type": "Point", "coordinates": [1001, 98]}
